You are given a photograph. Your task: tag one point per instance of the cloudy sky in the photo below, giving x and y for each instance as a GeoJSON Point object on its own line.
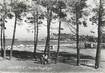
{"type": "Point", "coordinates": [23, 34]}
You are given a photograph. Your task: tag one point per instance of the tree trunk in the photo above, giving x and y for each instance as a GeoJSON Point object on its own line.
{"type": "Point", "coordinates": [77, 37]}
{"type": "Point", "coordinates": [57, 54]}
{"type": "Point", "coordinates": [3, 33]}
{"type": "Point", "coordinates": [36, 33]}
{"type": "Point", "coordinates": [37, 30]}
{"type": "Point", "coordinates": [98, 52]}
{"type": "Point", "coordinates": [47, 46]}
{"type": "Point", "coordinates": [1, 42]}
{"type": "Point", "coordinates": [4, 50]}
{"type": "Point", "coordinates": [13, 38]}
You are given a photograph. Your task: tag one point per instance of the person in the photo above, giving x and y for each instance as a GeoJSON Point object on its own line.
{"type": "Point", "coordinates": [38, 57]}
{"type": "Point", "coordinates": [45, 57]}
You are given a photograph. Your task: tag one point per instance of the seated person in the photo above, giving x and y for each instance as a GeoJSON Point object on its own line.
{"type": "Point", "coordinates": [39, 57]}
{"type": "Point", "coordinates": [45, 58]}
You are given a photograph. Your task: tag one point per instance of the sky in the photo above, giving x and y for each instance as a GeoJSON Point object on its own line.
{"type": "Point", "coordinates": [23, 34]}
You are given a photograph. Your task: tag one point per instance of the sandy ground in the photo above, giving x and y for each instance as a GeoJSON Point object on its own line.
{"type": "Point", "coordinates": [30, 65]}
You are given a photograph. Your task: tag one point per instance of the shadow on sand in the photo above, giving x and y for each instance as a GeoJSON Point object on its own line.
{"type": "Point", "coordinates": [64, 57]}
{"type": "Point", "coordinates": [71, 58]}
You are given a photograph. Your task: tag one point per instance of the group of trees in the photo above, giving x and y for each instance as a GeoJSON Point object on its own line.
{"type": "Point", "coordinates": [55, 9]}
{"type": "Point", "coordinates": [12, 10]}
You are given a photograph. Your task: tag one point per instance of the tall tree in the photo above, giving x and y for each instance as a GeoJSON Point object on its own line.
{"type": "Point", "coordinates": [3, 17]}
{"type": "Point", "coordinates": [79, 7]}
{"type": "Point", "coordinates": [48, 4]}
{"type": "Point", "coordinates": [35, 19]}
{"type": "Point", "coordinates": [77, 34]}
{"type": "Point", "coordinates": [98, 18]}
{"type": "Point", "coordinates": [58, 10]}
{"type": "Point", "coordinates": [1, 38]}
{"type": "Point", "coordinates": [98, 53]}
{"type": "Point", "coordinates": [76, 8]}
{"type": "Point", "coordinates": [47, 46]}
{"type": "Point", "coordinates": [17, 8]}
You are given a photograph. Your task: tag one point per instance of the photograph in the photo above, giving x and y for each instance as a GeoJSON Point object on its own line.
{"type": "Point", "coordinates": [52, 36]}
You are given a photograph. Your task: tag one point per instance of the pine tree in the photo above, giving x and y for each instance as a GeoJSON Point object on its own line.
{"type": "Point", "coordinates": [17, 8]}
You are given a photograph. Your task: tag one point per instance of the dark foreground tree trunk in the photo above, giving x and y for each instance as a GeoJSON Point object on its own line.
{"type": "Point", "coordinates": [47, 39]}
{"type": "Point", "coordinates": [98, 52]}
{"type": "Point", "coordinates": [3, 33]}
{"type": "Point", "coordinates": [13, 38]}
{"type": "Point", "coordinates": [36, 33]}
{"type": "Point", "coordinates": [4, 50]}
{"type": "Point", "coordinates": [47, 46]}
{"type": "Point", "coordinates": [77, 37]}
{"type": "Point", "coordinates": [3, 38]}
{"type": "Point", "coordinates": [1, 42]}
